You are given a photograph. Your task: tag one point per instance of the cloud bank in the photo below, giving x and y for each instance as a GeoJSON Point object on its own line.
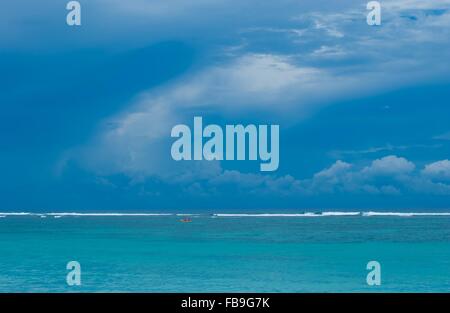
{"type": "Point", "coordinates": [319, 59]}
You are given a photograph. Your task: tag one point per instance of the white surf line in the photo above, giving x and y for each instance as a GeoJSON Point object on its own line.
{"type": "Point", "coordinates": [331, 213]}
{"type": "Point", "coordinates": [334, 214]}
{"type": "Point", "coordinates": [215, 215]}
{"type": "Point", "coordinates": [190, 214]}
{"type": "Point", "coordinates": [53, 214]}
{"type": "Point", "coordinates": [267, 215]}
{"type": "Point", "coordinates": [406, 214]}
{"type": "Point", "coordinates": [307, 214]}
{"type": "Point", "coordinates": [108, 214]}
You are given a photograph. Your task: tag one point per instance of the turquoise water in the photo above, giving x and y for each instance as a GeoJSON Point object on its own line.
{"type": "Point", "coordinates": [229, 254]}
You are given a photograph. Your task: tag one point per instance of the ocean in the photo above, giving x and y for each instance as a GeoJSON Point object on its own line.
{"type": "Point", "coordinates": [295, 252]}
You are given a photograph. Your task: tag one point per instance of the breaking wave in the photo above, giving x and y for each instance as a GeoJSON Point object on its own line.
{"type": "Point", "coordinates": [225, 215]}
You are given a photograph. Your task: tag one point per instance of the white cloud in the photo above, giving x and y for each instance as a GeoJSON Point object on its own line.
{"type": "Point", "coordinates": [257, 183]}
{"type": "Point", "coordinates": [438, 170]}
{"type": "Point", "coordinates": [444, 136]}
{"type": "Point", "coordinates": [275, 84]}
{"type": "Point", "coordinates": [136, 141]}
{"type": "Point", "coordinates": [337, 169]}
{"type": "Point", "coordinates": [389, 166]}
{"type": "Point", "coordinates": [399, 172]}
{"type": "Point", "coordinates": [329, 52]}
{"type": "Point", "coordinates": [259, 81]}
{"type": "Point", "coordinates": [390, 176]}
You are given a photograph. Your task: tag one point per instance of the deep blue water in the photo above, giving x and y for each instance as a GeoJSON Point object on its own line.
{"type": "Point", "coordinates": [231, 254]}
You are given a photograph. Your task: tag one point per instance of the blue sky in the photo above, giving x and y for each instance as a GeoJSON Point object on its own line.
{"type": "Point", "coordinates": [86, 112]}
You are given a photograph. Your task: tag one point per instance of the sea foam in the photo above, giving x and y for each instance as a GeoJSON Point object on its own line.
{"type": "Point", "coordinates": [225, 215]}
{"type": "Point", "coordinates": [406, 214]}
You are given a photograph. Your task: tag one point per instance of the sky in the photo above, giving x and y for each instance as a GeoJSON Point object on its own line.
{"type": "Point", "coordinates": [86, 111]}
